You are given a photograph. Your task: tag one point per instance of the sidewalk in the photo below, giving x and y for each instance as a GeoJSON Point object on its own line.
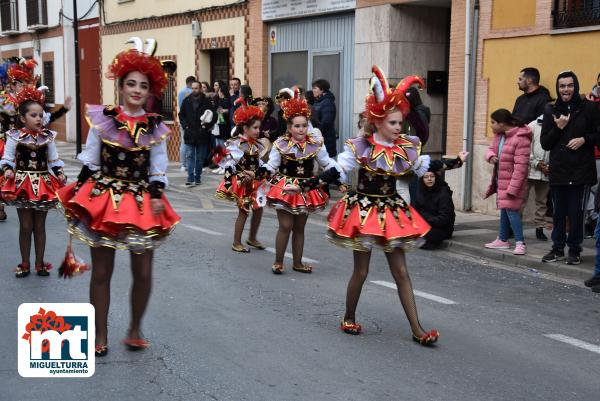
{"type": "Point", "coordinates": [471, 230]}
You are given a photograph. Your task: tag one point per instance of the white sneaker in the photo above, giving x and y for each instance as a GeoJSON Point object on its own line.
{"type": "Point", "coordinates": [216, 171]}
{"type": "Point", "coordinates": [182, 168]}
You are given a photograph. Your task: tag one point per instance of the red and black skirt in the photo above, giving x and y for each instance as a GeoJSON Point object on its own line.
{"type": "Point", "coordinates": [299, 203]}
{"type": "Point", "coordinates": [116, 214]}
{"type": "Point", "coordinates": [236, 189]}
{"type": "Point", "coordinates": [30, 189]}
{"type": "Point", "coordinates": [361, 222]}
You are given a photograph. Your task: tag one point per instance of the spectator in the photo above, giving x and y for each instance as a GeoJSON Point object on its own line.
{"type": "Point", "coordinates": [205, 88]}
{"type": "Point", "coordinates": [268, 127]}
{"type": "Point", "coordinates": [180, 96]}
{"type": "Point", "coordinates": [194, 119]}
{"type": "Point", "coordinates": [234, 94]}
{"type": "Point", "coordinates": [509, 154]}
{"type": "Point", "coordinates": [222, 103]}
{"type": "Point", "coordinates": [420, 115]}
{"type": "Point", "coordinates": [532, 102]}
{"type": "Point", "coordinates": [433, 201]}
{"type": "Point", "coordinates": [325, 112]}
{"type": "Point", "coordinates": [569, 132]}
{"type": "Point", "coordinates": [283, 94]}
{"type": "Point", "coordinates": [538, 178]}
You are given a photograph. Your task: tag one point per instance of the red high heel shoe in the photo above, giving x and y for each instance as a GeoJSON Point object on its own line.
{"type": "Point", "coordinates": [350, 327]}
{"type": "Point", "coordinates": [428, 338]}
{"type": "Point", "coordinates": [22, 270]}
{"type": "Point", "coordinates": [136, 344]}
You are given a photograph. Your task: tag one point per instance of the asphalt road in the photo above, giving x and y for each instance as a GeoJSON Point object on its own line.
{"type": "Point", "coordinates": [223, 327]}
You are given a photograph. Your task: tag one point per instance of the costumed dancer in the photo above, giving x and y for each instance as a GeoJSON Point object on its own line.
{"type": "Point", "coordinates": [242, 179]}
{"type": "Point", "coordinates": [374, 214]}
{"type": "Point", "coordinates": [32, 174]}
{"type": "Point", "coordinates": [118, 201]}
{"type": "Point", "coordinates": [292, 162]}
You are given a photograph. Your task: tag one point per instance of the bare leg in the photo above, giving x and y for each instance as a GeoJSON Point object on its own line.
{"type": "Point", "coordinates": [298, 238]}
{"type": "Point", "coordinates": [25, 231]}
{"type": "Point", "coordinates": [286, 222]}
{"type": "Point", "coordinates": [361, 270]}
{"type": "Point", "coordinates": [397, 262]}
{"type": "Point", "coordinates": [103, 262]}
{"type": "Point", "coordinates": [141, 268]}
{"type": "Point", "coordinates": [255, 223]}
{"type": "Point", "coordinates": [239, 227]}
{"type": "Point", "coordinates": [39, 235]}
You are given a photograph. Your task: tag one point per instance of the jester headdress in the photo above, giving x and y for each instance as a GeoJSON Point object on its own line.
{"type": "Point", "coordinates": [295, 107]}
{"type": "Point", "coordinates": [22, 71]}
{"type": "Point", "coordinates": [28, 93]}
{"type": "Point", "coordinates": [382, 98]}
{"type": "Point", "coordinates": [140, 59]}
{"type": "Point", "coordinates": [245, 113]}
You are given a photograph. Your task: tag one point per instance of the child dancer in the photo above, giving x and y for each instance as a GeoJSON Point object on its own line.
{"type": "Point", "coordinates": [117, 201]}
{"type": "Point", "coordinates": [32, 174]}
{"type": "Point", "coordinates": [373, 214]}
{"type": "Point", "coordinates": [240, 182]}
{"type": "Point", "coordinates": [292, 161]}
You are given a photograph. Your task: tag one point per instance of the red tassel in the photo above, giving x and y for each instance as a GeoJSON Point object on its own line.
{"type": "Point", "coordinates": [219, 154]}
{"type": "Point", "coordinates": [71, 265]}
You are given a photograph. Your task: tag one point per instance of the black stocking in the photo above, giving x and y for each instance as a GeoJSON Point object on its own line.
{"type": "Point", "coordinates": [255, 223]}
{"type": "Point", "coordinates": [361, 270]}
{"type": "Point", "coordinates": [39, 235]}
{"type": "Point", "coordinates": [286, 222]}
{"type": "Point", "coordinates": [25, 231]}
{"type": "Point", "coordinates": [298, 238]}
{"type": "Point", "coordinates": [397, 262]}
{"type": "Point", "coordinates": [240, 222]}
{"type": "Point", "coordinates": [141, 268]}
{"type": "Point", "coordinates": [103, 262]}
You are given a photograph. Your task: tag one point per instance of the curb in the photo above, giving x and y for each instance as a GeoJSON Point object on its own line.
{"type": "Point", "coordinates": [527, 263]}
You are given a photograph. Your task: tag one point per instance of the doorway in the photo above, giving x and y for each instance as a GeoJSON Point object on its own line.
{"type": "Point", "coordinates": [219, 65]}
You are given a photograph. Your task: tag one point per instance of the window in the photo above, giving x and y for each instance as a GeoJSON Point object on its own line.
{"type": "Point", "coordinates": [168, 97]}
{"type": "Point", "coordinates": [48, 70]}
{"type": "Point", "coordinates": [576, 13]}
{"type": "Point", "coordinates": [9, 12]}
{"type": "Point", "coordinates": [37, 13]}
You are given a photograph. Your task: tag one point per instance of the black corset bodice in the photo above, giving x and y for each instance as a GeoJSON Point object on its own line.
{"type": "Point", "coordinates": [370, 183]}
{"type": "Point", "coordinates": [32, 158]}
{"type": "Point", "coordinates": [125, 164]}
{"type": "Point", "coordinates": [302, 168]}
{"type": "Point", "coordinates": [249, 162]}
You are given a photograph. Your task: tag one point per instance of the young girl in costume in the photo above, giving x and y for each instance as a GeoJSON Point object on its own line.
{"type": "Point", "coordinates": [292, 161]}
{"type": "Point", "coordinates": [240, 182]}
{"type": "Point", "coordinates": [118, 201]}
{"type": "Point", "coordinates": [32, 174]}
{"type": "Point", "coordinates": [373, 214]}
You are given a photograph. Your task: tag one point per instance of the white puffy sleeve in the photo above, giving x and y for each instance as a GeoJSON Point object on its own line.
{"type": "Point", "coordinates": [158, 163]}
{"type": "Point", "coordinates": [421, 166]}
{"type": "Point", "coordinates": [10, 150]}
{"type": "Point", "coordinates": [53, 160]}
{"type": "Point", "coordinates": [274, 160]}
{"type": "Point", "coordinates": [90, 156]}
{"type": "Point", "coordinates": [346, 162]}
{"type": "Point", "coordinates": [324, 160]}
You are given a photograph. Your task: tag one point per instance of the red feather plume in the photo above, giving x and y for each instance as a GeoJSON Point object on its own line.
{"type": "Point", "coordinates": [132, 60]}
{"type": "Point", "coordinates": [245, 113]}
{"type": "Point", "coordinates": [72, 265]}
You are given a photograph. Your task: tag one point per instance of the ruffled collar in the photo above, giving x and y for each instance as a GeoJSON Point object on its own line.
{"type": "Point", "coordinates": [135, 124]}
{"type": "Point", "coordinates": [252, 143]}
{"type": "Point", "coordinates": [300, 145]}
{"type": "Point", "coordinates": [32, 137]}
{"type": "Point", "coordinates": [389, 150]}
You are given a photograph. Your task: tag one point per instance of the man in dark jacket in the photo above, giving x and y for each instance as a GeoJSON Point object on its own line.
{"type": "Point", "coordinates": [531, 104]}
{"type": "Point", "coordinates": [325, 111]}
{"type": "Point", "coordinates": [569, 131]}
{"type": "Point", "coordinates": [197, 132]}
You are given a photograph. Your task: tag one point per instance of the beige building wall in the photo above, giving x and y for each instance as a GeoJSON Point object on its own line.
{"type": "Point", "coordinates": [166, 37]}
{"type": "Point", "coordinates": [119, 10]}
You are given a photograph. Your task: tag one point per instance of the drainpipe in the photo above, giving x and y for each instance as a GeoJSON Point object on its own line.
{"type": "Point", "coordinates": [471, 38]}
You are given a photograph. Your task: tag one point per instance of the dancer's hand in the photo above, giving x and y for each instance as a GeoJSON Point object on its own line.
{"type": "Point", "coordinates": [68, 103]}
{"type": "Point", "coordinates": [291, 189]}
{"type": "Point", "coordinates": [62, 178]}
{"type": "Point", "coordinates": [8, 174]}
{"type": "Point", "coordinates": [157, 206]}
{"type": "Point", "coordinates": [493, 160]}
{"type": "Point", "coordinates": [249, 174]}
{"type": "Point", "coordinates": [462, 155]}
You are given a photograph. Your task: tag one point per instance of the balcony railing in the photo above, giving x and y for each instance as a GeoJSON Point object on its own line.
{"type": "Point", "coordinates": [576, 13]}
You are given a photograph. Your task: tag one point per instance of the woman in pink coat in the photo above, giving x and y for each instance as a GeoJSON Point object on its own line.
{"type": "Point", "coordinates": [509, 153]}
